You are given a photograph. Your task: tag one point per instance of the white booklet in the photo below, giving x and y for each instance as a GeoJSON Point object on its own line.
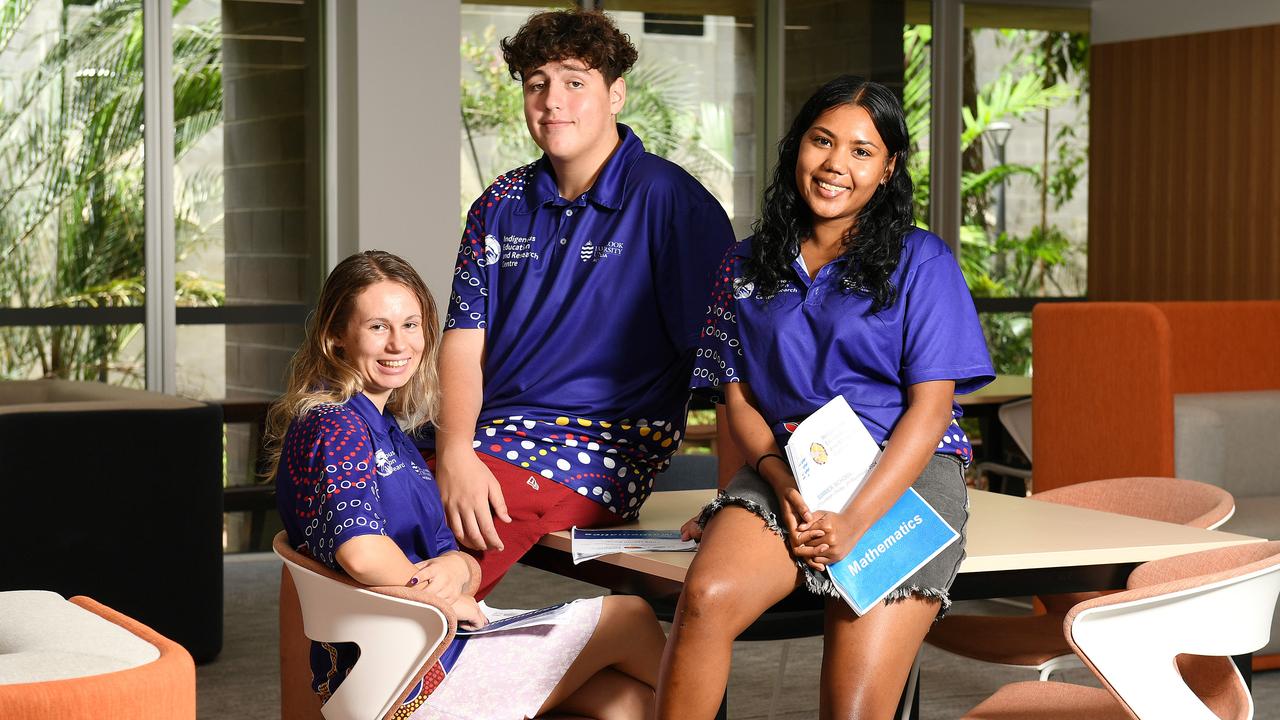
{"type": "Point", "coordinates": [591, 544]}
{"type": "Point", "coordinates": [831, 455]}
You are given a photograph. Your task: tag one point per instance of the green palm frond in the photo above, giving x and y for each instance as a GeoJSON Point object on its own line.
{"type": "Point", "coordinates": [12, 15]}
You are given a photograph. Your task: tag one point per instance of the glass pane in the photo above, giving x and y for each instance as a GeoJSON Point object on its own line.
{"type": "Point", "coordinates": [825, 38]}
{"type": "Point", "coordinates": [917, 99]}
{"type": "Point", "coordinates": [1026, 143]}
{"type": "Point", "coordinates": [691, 96]}
{"type": "Point", "coordinates": [1026, 139]}
{"type": "Point", "coordinates": [93, 353]}
{"type": "Point", "coordinates": [247, 177]}
{"type": "Point", "coordinates": [71, 186]}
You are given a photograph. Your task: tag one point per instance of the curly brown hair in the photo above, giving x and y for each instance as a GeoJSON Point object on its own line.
{"type": "Point", "coordinates": [589, 36]}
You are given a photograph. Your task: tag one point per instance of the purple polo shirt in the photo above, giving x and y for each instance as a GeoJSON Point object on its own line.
{"type": "Point", "coordinates": [592, 308]}
{"type": "Point", "coordinates": [812, 341]}
{"type": "Point", "coordinates": [345, 471]}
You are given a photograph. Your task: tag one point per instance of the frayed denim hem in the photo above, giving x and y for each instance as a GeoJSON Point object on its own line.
{"type": "Point", "coordinates": [904, 592]}
{"type": "Point", "coordinates": [723, 501]}
{"type": "Point", "coordinates": [817, 583]}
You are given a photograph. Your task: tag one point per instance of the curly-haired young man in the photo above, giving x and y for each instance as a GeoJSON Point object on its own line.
{"type": "Point", "coordinates": [577, 297]}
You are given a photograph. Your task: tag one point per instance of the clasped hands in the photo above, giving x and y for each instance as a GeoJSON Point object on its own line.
{"type": "Point", "coordinates": [818, 538]}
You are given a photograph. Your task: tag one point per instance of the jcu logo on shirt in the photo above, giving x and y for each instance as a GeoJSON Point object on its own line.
{"type": "Point", "coordinates": [593, 253]}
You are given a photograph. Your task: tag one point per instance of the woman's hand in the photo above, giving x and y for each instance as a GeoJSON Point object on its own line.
{"type": "Point", "coordinates": [795, 512]}
{"type": "Point", "coordinates": [445, 576]}
{"type": "Point", "coordinates": [691, 530]}
{"type": "Point", "coordinates": [825, 538]}
{"type": "Point", "coordinates": [468, 612]}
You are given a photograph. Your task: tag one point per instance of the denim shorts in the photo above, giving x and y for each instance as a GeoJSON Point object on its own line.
{"type": "Point", "coordinates": [941, 485]}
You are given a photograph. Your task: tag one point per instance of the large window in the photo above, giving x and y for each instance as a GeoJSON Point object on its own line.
{"type": "Point", "coordinates": [71, 191]}
{"type": "Point", "coordinates": [79, 209]}
{"type": "Point", "coordinates": [1023, 142]}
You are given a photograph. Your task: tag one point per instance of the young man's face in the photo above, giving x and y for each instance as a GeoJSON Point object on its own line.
{"type": "Point", "coordinates": [570, 109]}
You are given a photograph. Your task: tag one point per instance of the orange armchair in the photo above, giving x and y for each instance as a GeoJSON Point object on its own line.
{"type": "Point", "coordinates": [1106, 374]}
{"type": "Point", "coordinates": [90, 665]}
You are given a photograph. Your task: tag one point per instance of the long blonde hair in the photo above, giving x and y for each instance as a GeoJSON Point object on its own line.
{"type": "Point", "coordinates": [319, 374]}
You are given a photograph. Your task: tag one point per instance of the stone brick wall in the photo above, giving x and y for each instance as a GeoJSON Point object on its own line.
{"type": "Point", "coordinates": [273, 180]}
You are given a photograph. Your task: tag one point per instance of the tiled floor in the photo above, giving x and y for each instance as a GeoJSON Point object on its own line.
{"type": "Point", "coordinates": [242, 684]}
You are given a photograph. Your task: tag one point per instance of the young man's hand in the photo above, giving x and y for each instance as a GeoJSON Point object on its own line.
{"type": "Point", "coordinates": [468, 491]}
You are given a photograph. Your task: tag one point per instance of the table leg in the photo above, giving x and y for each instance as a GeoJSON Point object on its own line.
{"type": "Point", "coordinates": [909, 703]}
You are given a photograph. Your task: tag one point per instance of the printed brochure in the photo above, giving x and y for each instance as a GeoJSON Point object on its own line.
{"type": "Point", "coordinates": [591, 544]}
{"type": "Point", "coordinates": [500, 619]}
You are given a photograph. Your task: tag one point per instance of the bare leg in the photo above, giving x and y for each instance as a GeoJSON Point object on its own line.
{"type": "Point", "coordinates": [619, 663]}
{"type": "Point", "coordinates": [866, 660]}
{"type": "Point", "coordinates": [741, 569]}
{"type": "Point", "coordinates": [609, 695]}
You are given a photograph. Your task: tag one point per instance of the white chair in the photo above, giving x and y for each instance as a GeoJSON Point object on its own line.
{"type": "Point", "coordinates": [401, 633]}
{"type": "Point", "coordinates": [1162, 648]}
{"type": "Point", "coordinates": [1015, 416]}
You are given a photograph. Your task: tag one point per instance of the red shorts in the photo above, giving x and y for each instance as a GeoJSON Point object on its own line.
{"type": "Point", "coordinates": [537, 507]}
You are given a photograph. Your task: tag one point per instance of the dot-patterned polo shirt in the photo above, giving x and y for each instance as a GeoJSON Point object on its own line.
{"type": "Point", "coordinates": [592, 308]}
{"type": "Point", "coordinates": [812, 341]}
{"type": "Point", "coordinates": [345, 471]}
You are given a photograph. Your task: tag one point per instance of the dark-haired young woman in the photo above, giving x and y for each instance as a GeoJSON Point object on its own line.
{"type": "Point", "coordinates": [836, 293]}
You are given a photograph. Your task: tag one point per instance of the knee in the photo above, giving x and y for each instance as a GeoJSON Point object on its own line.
{"type": "Point", "coordinates": [628, 612]}
{"type": "Point", "coordinates": [706, 597]}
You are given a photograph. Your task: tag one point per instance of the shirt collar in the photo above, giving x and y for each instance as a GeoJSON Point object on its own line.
{"type": "Point", "coordinates": [380, 422]}
{"type": "Point", "coordinates": [610, 187]}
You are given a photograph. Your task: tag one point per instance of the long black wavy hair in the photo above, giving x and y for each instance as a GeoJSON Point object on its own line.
{"type": "Point", "coordinates": [872, 245]}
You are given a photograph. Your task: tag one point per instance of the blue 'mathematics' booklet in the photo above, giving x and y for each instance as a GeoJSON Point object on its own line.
{"type": "Point", "coordinates": [832, 455]}
{"type": "Point", "coordinates": [909, 535]}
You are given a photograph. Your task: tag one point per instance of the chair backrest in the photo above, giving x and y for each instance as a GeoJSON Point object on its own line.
{"type": "Point", "coordinates": [1172, 500]}
{"type": "Point", "coordinates": [1162, 647]}
{"type": "Point", "coordinates": [1015, 416]}
{"type": "Point", "coordinates": [399, 632]}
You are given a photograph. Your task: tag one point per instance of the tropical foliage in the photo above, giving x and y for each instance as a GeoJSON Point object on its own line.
{"type": "Point", "coordinates": [71, 183]}
{"type": "Point", "coordinates": [1049, 70]}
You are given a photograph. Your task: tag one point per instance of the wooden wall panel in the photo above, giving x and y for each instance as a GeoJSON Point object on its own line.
{"type": "Point", "coordinates": [1184, 167]}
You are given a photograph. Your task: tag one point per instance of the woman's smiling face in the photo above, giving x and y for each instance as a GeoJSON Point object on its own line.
{"type": "Point", "coordinates": [383, 340]}
{"type": "Point", "coordinates": [841, 162]}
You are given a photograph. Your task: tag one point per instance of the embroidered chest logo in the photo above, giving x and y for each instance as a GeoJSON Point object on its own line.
{"type": "Point", "coordinates": [492, 250]}
{"type": "Point", "coordinates": [517, 249]}
{"type": "Point", "coordinates": [742, 290]}
{"type": "Point", "coordinates": [386, 462]}
{"type": "Point", "coordinates": [592, 253]}
{"type": "Point", "coordinates": [532, 482]}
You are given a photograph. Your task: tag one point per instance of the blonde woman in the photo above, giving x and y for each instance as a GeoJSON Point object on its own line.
{"type": "Point", "coordinates": [353, 493]}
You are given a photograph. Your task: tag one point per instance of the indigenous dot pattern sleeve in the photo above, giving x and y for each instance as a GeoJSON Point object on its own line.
{"type": "Point", "coordinates": [330, 462]}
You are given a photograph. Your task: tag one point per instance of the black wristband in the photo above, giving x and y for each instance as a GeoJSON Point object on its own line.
{"type": "Point", "coordinates": [766, 456]}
